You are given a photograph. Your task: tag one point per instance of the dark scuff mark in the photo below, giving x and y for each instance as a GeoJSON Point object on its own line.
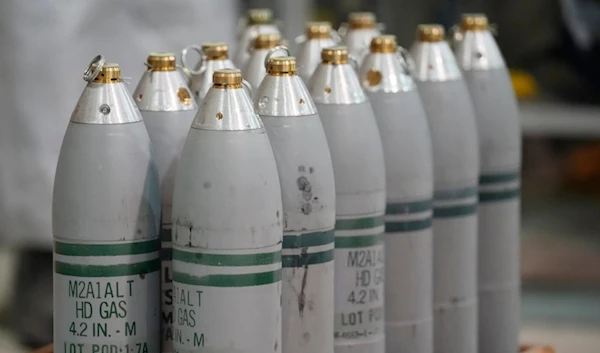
{"type": "Point", "coordinates": [306, 337]}
{"type": "Point", "coordinates": [143, 275]}
{"type": "Point", "coordinates": [302, 296]}
{"type": "Point", "coordinates": [306, 188]}
{"type": "Point", "coordinates": [311, 170]}
{"type": "Point", "coordinates": [306, 208]}
{"type": "Point", "coordinates": [138, 231]}
{"type": "Point", "coordinates": [207, 185]}
{"type": "Point", "coordinates": [301, 169]}
{"type": "Point", "coordinates": [191, 228]}
{"type": "Point", "coordinates": [275, 347]}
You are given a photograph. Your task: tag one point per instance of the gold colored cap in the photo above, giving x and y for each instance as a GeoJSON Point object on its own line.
{"type": "Point", "coordinates": [110, 73]}
{"type": "Point", "coordinates": [384, 44]}
{"type": "Point", "coordinates": [161, 62]}
{"type": "Point", "coordinates": [474, 22]}
{"type": "Point", "coordinates": [227, 78]}
{"type": "Point", "coordinates": [361, 20]}
{"type": "Point", "coordinates": [267, 41]}
{"type": "Point", "coordinates": [318, 30]}
{"type": "Point", "coordinates": [334, 55]}
{"type": "Point", "coordinates": [260, 16]}
{"type": "Point", "coordinates": [215, 50]}
{"type": "Point", "coordinates": [282, 66]}
{"type": "Point", "coordinates": [430, 33]}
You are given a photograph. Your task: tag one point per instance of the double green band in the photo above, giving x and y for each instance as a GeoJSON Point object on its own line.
{"type": "Point", "coordinates": [302, 260]}
{"type": "Point", "coordinates": [241, 280]}
{"type": "Point", "coordinates": [70, 249]}
{"type": "Point", "coordinates": [308, 239]}
{"type": "Point", "coordinates": [499, 178]}
{"type": "Point", "coordinates": [455, 195]}
{"type": "Point", "coordinates": [486, 196]}
{"type": "Point", "coordinates": [408, 208]}
{"type": "Point", "coordinates": [360, 241]}
{"type": "Point", "coordinates": [229, 260]}
{"type": "Point", "coordinates": [358, 223]}
{"type": "Point", "coordinates": [106, 270]}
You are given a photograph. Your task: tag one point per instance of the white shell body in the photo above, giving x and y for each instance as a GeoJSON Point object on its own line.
{"type": "Point", "coordinates": [359, 171]}
{"type": "Point", "coordinates": [227, 219]}
{"type": "Point", "coordinates": [409, 182]}
{"type": "Point", "coordinates": [242, 54]}
{"type": "Point", "coordinates": [359, 40]}
{"type": "Point", "coordinates": [168, 120]}
{"type": "Point", "coordinates": [456, 171]}
{"type": "Point", "coordinates": [308, 193]}
{"type": "Point", "coordinates": [499, 190]}
{"type": "Point", "coordinates": [309, 56]}
{"type": "Point", "coordinates": [202, 82]}
{"type": "Point", "coordinates": [106, 217]}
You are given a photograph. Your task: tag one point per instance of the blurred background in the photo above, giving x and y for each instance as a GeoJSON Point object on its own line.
{"type": "Point", "coordinates": [553, 50]}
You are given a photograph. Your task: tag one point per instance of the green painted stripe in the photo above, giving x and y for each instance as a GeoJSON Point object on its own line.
{"type": "Point", "coordinates": [166, 254]}
{"type": "Point", "coordinates": [408, 226]}
{"type": "Point", "coordinates": [70, 249]}
{"type": "Point", "coordinates": [242, 280]}
{"type": "Point", "coordinates": [308, 239]}
{"type": "Point", "coordinates": [455, 194]}
{"type": "Point", "coordinates": [227, 259]}
{"type": "Point", "coordinates": [359, 241]}
{"type": "Point", "coordinates": [499, 178]}
{"type": "Point", "coordinates": [293, 261]}
{"type": "Point", "coordinates": [408, 207]}
{"type": "Point", "coordinates": [166, 234]}
{"type": "Point", "coordinates": [358, 223]}
{"type": "Point", "coordinates": [454, 211]}
{"type": "Point", "coordinates": [491, 196]}
{"type": "Point", "coordinates": [106, 270]}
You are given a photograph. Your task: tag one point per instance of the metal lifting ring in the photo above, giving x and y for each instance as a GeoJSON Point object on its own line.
{"type": "Point", "coordinates": [406, 60]}
{"type": "Point", "coordinates": [248, 87]}
{"type": "Point", "coordinates": [88, 74]}
{"type": "Point", "coordinates": [184, 62]}
{"type": "Point", "coordinates": [272, 51]}
{"type": "Point", "coordinates": [353, 61]}
{"type": "Point", "coordinates": [335, 36]}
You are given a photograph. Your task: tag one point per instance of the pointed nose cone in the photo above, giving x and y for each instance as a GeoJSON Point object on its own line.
{"type": "Point", "coordinates": [282, 92]}
{"type": "Point", "coordinates": [362, 28]}
{"type": "Point", "coordinates": [163, 87]}
{"type": "Point", "coordinates": [215, 56]}
{"type": "Point", "coordinates": [258, 21]}
{"type": "Point", "coordinates": [385, 69]}
{"type": "Point", "coordinates": [334, 80]}
{"type": "Point", "coordinates": [227, 106]}
{"type": "Point", "coordinates": [318, 36]}
{"type": "Point", "coordinates": [475, 47]}
{"type": "Point", "coordinates": [254, 71]}
{"type": "Point", "coordinates": [434, 60]}
{"type": "Point", "coordinates": [105, 100]}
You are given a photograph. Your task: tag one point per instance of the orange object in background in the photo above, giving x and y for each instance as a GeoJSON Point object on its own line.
{"type": "Point", "coordinates": [536, 349]}
{"type": "Point", "coordinates": [583, 167]}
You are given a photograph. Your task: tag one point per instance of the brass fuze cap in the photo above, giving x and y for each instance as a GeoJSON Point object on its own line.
{"type": "Point", "coordinates": [384, 44]}
{"type": "Point", "coordinates": [334, 55]}
{"type": "Point", "coordinates": [318, 30]}
{"type": "Point", "coordinates": [430, 33]}
{"type": "Point", "coordinates": [267, 41]}
{"type": "Point", "coordinates": [227, 78]}
{"type": "Point", "coordinates": [161, 62]}
{"type": "Point", "coordinates": [474, 22]}
{"type": "Point", "coordinates": [260, 16]}
{"type": "Point", "coordinates": [361, 20]}
{"type": "Point", "coordinates": [282, 66]}
{"type": "Point", "coordinates": [110, 73]}
{"type": "Point", "coordinates": [215, 50]}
